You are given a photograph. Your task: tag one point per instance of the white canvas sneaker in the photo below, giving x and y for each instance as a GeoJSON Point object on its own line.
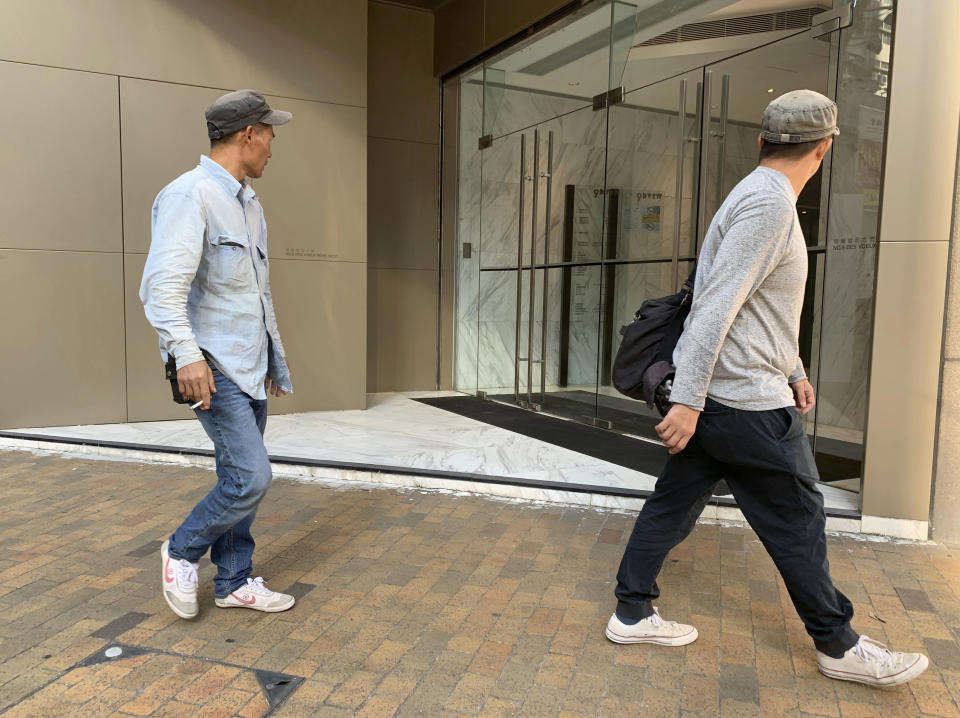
{"type": "Point", "coordinates": [179, 583]}
{"type": "Point", "coordinates": [873, 663]}
{"type": "Point", "coordinates": [651, 629]}
{"type": "Point", "coordinates": [258, 597]}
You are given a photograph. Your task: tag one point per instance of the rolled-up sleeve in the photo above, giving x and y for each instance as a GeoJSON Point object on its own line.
{"type": "Point", "coordinates": [176, 248]}
{"type": "Point", "coordinates": [799, 373]}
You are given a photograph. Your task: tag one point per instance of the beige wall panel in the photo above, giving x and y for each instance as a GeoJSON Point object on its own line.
{"type": "Point", "coordinates": [403, 204]}
{"type": "Point", "coordinates": [321, 312]}
{"type": "Point", "coordinates": [62, 357]}
{"type": "Point", "coordinates": [505, 18]}
{"type": "Point", "coordinates": [404, 100]}
{"type": "Point", "coordinates": [904, 382]}
{"type": "Point", "coordinates": [457, 33]}
{"type": "Point", "coordinates": [164, 134]}
{"type": "Point", "coordinates": [322, 315]}
{"type": "Point", "coordinates": [946, 500]}
{"type": "Point", "coordinates": [148, 393]}
{"type": "Point", "coordinates": [61, 160]}
{"type": "Point", "coordinates": [402, 331]}
{"type": "Point", "coordinates": [314, 190]}
{"type": "Point", "coordinates": [924, 93]}
{"type": "Point", "coordinates": [315, 49]}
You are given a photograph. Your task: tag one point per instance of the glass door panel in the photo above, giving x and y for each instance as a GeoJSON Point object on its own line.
{"type": "Point", "coordinates": [541, 229]}
{"type": "Point", "coordinates": [466, 327]}
{"type": "Point", "coordinates": [504, 218]}
{"type": "Point", "coordinates": [652, 161]}
{"type": "Point", "coordinates": [850, 241]}
{"type": "Point", "coordinates": [558, 249]}
{"type": "Point", "coordinates": [578, 205]}
{"type": "Point", "coordinates": [543, 154]}
{"type": "Point", "coordinates": [739, 88]}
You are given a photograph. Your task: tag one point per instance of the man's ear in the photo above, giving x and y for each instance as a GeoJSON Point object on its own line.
{"type": "Point", "coordinates": [824, 147]}
{"type": "Point", "coordinates": [759, 142]}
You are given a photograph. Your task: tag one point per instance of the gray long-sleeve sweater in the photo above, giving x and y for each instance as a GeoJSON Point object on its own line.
{"type": "Point", "coordinates": [740, 343]}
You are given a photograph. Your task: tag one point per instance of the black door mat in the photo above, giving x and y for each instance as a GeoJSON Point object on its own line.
{"type": "Point", "coordinates": [591, 441]}
{"type": "Point", "coordinates": [625, 415]}
{"type": "Point", "coordinates": [837, 460]}
{"type": "Point", "coordinates": [603, 444]}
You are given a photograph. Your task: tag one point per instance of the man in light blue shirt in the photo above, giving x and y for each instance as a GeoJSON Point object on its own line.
{"type": "Point", "coordinates": [206, 290]}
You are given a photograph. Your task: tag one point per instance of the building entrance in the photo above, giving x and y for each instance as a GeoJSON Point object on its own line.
{"type": "Point", "coordinates": [592, 159]}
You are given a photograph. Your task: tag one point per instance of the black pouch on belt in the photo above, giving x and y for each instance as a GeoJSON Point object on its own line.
{"type": "Point", "coordinates": [171, 367]}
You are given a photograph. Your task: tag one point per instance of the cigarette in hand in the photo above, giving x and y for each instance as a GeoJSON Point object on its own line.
{"type": "Point", "coordinates": [194, 406]}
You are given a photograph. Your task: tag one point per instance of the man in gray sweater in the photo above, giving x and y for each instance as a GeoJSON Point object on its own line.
{"type": "Point", "coordinates": [738, 397]}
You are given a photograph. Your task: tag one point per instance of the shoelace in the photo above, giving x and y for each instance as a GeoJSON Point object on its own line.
{"type": "Point", "coordinates": [868, 649]}
{"type": "Point", "coordinates": [187, 574]}
{"type": "Point", "coordinates": [655, 619]}
{"type": "Point", "coordinates": [256, 585]}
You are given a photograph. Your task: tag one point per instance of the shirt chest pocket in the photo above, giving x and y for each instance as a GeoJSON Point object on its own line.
{"type": "Point", "coordinates": [228, 261]}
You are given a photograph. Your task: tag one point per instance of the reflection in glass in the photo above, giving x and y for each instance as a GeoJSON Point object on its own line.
{"type": "Point", "coordinates": [852, 234]}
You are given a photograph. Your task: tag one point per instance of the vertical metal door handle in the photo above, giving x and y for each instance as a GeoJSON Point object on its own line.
{"type": "Point", "coordinates": [722, 134]}
{"type": "Point", "coordinates": [704, 155]}
{"type": "Point", "coordinates": [523, 176]}
{"type": "Point", "coordinates": [533, 264]}
{"type": "Point", "coordinates": [678, 208]}
{"type": "Point", "coordinates": [546, 261]}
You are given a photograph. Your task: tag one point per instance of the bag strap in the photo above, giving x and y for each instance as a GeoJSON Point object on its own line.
{"type": "Point", "coordinates": [672, 335]}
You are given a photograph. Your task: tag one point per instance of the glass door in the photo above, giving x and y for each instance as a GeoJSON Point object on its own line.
{"type": "Point", "coordinates": [650, 242]}
{"type": "Point", "coordinates": [541, 153]}
{"type": "Point", "coordinates": [740, 87]}
{"type": "Point", "coordinates": [592, 159]}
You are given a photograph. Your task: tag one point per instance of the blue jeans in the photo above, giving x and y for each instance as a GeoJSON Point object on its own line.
{"type": "Point", "coordinates": [221, 521]}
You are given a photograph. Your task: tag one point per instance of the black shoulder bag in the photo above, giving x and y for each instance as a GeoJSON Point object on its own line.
{"type": "Point", "coordinates": [643, 368]}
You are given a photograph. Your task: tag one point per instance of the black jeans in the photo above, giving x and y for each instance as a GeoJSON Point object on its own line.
{"type": "Point", "coordinates": [765, 458]}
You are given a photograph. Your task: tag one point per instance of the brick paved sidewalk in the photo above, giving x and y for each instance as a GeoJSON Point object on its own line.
{"type": "Point", "coordinates": [424, 604]}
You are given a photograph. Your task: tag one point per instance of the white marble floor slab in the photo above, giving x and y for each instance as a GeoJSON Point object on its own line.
{"type": "Point", "coordinates": [399, 433]}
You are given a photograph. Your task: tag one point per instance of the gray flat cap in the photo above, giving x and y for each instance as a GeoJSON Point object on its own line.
{"type": "Point", "coordinates": [799, 116]}
{"type": "Point", "coordinates": [240, 109]}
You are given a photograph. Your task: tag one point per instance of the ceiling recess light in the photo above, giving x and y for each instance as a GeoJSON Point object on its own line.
{"type": "Point", "coordinates": [574, 83]}
{"type": "Point", "coordinates": [770, 90]}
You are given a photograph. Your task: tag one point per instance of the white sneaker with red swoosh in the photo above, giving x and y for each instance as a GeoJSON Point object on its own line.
{"type": "Point", "coordinates": [258, 597]}
{"type": "Point", "coordinates": [651, 629]}
{"type": "Point", "coordinates": [873, 663]}
{"type": "Point", "coordinates": [179, 583]}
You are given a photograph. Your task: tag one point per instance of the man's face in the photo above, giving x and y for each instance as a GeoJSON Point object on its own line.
{"type": "Point", "coordinates": [257, 150]}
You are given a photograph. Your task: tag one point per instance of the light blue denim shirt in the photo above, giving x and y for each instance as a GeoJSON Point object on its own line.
{"type": "Point", "coordinates": [206, 282]}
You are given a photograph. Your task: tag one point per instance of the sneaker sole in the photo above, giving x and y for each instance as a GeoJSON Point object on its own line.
{"type": "Point", "coordinates": [272, 609]}
{"type": "Point", "coordinates": [177, 610]}
{"type": "Point", "coordinates": [657, 640]}
{"type": "Point", "coordinates": [907, 674]}
{"type": "Point", "coordinates": [163, 565]}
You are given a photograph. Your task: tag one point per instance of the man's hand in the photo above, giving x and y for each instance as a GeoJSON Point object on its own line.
{"type": "Point", "coordinates": [803, 396]}
{"type": "Point", "coordinates": [272, 388]}
{"type": "Point", "coordinates": [196, 382]}
{"type": "Point", "coordinates": [677, 427]}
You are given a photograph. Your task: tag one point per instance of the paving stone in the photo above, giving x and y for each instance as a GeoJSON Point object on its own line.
{"type": "Point", "coordinates": [415, 603]}
{"type": "Point", "coordinates": [915, 600]}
